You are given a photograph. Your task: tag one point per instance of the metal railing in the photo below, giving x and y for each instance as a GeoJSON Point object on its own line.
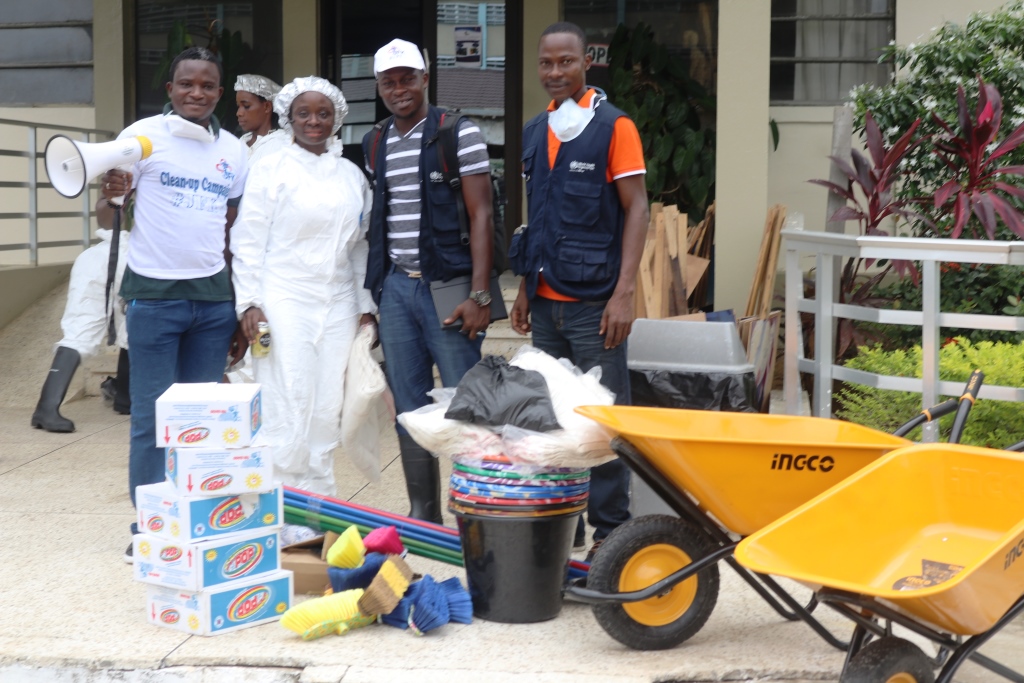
{"type": "Point", "coordinates": [33, 153]}
{"type": "Point", "coordinates": [830, 250]}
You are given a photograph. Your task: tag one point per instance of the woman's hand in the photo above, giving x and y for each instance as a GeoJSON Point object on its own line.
{"type": "Point", "coordinates": [250, 323]}
{"type": "Point", "coordinates": [370, 319]}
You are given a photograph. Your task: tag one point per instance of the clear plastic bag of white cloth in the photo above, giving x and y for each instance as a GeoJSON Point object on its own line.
{"type": "Point", "coordinates": [367, 407]}
{"type": "Point", "coordinates": [451, 438]}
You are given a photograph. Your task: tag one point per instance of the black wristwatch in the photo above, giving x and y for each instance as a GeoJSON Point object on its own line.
{"type": "Point", "coordinates": [481, 298]}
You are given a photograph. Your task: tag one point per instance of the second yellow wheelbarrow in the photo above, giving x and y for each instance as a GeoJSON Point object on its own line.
{"type": "Point", "coordinates": [930, 537]}
{"type": "Point", "coordinates": [654, 581]}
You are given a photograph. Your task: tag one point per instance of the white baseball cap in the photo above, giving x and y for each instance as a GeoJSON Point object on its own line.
{"type": "Point", "coordinates": [396, 54]}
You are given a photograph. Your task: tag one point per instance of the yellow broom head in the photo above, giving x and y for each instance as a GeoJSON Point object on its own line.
{"type": "Point", "coordinates": [318, 617]}
{"type": "Point", "coordinates": [387, 588]}
{"type": "Point", "coordinates": [348, 552]}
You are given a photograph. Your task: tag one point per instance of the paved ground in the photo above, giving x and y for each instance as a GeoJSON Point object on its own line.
{"type": "Point", "coordinates": [69, 610]}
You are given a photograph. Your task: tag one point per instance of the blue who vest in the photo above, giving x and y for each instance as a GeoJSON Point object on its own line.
{"type": "Point", "coordinates": [574, 214]}
{"type": "Point", "coordinates": [443, 256]}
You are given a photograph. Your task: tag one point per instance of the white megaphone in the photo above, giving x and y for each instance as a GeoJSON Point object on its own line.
{"type": "Point", "coordinates": [71, 164]}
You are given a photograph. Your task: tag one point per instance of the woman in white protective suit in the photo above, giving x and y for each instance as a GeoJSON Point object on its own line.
{"type": "Point", "coordinates": [84, 325]}
{"type": "Point", "coordinates": [300, 249]}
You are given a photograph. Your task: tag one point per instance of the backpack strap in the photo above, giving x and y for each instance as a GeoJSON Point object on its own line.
{"type": "Point", "coordinates": [448, 155]}
{"type": "Point", "coordinates": [378, 132]}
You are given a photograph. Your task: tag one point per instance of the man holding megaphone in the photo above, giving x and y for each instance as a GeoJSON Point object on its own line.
{"type": "Point", "coordinates": [177, 284]}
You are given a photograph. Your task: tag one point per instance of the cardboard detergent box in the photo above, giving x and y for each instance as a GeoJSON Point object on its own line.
{"type": "Point", "coordinates": [219, 471]}
{"type": "Point", "coordinates": [163, 512]}
{"type": "Point", "coordinates": [221, 609]}
{"type": "Point", "coordinates": [217, 415]}
{"type": "Point", "coordinates": [195, 566]}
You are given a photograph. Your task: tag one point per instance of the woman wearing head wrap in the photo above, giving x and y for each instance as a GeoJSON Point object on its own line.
{"type": "Point", "coordinates": [254, 96]}
{"type": "Point", "coordinates": [300, 248]}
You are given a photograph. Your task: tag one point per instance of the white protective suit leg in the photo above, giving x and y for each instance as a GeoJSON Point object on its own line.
{"type": "Point", "coordinates": [84, 322]}
{"type": "Point", "coordinates": [303, 386]}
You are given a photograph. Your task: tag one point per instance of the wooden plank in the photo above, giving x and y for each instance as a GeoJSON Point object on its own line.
{"type": "Point", "coordinates": [658, 268]}
{"type": "Point", "coordinates": [696, 269]}
{"type": "Point", "coordinates": [773, 262]}
{"type": "Point", "coordinates": [671, 214]}
{"type": "Point", "coordinates": [677, 304]}
{"type": "Point", "coordinates": [646, 277]}
{"type": "Point", "coordinates": [755, 291]}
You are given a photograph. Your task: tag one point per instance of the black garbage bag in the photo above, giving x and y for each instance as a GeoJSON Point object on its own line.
{"type": "Point", "coordinates": [694, 390]}
{"type": "Point", "coordinates": [495, 393]}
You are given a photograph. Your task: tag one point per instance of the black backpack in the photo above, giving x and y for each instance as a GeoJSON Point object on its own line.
{"type": "Point", "coordinates": [448, 157]}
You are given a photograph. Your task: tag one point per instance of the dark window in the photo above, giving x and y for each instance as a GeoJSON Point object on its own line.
{"type": "Point", "coordinates": [44, 60]}
{"type": "Point", "coordinates": [821, 49]}
{"type": "Point", "coordinates": [246, 36]}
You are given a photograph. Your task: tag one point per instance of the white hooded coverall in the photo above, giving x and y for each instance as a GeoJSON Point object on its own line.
{"type": "Point", "coordinates": [300, 251]}
{"type": "Point", "coordinates": [84, 322]}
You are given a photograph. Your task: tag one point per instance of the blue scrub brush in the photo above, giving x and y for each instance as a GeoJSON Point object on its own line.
{"type": "Point", "coordinates": [399, 617]}
{"type": "Point", "coordinates": [460, 605]}
{"type": "Point", "coordinates": [360, 577]}
{"type": "Point", "coordinates": [429, 609]}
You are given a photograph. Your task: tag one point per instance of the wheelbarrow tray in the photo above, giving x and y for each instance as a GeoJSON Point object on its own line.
{"type": "Point", "coordinates": [746, 469]}
{"type": "Point", "coordinates": [934, 530]}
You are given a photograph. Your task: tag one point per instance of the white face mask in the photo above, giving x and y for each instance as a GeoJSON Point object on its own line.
{"type": "Point", "coordinates": [569, 120]}
{"type": "Point", "coordinates": [180, 128]}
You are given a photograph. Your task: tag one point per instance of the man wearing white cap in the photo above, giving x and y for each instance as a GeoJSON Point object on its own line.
{"type": "Point", "coordinates": [414, 240]}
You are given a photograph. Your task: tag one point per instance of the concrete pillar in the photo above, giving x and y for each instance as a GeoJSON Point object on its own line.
{"type": "Point", "coordinates": [537, 16]}
{"type": "Point", "coordinates": [300, 39]}
{"type": "Point", "coordinates": [744, 30]}
{"type": "Point", "coordinates": [108, 64]}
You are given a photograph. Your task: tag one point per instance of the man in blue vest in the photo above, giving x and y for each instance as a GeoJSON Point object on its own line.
{"type": "Point", "coordinates": [587, 215]}
{"type": "Point", "coordinates": [415, 240]}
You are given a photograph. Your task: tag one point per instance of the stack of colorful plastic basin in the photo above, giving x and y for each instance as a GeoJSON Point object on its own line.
{"type": "Point", "coordinates": [498, 488]}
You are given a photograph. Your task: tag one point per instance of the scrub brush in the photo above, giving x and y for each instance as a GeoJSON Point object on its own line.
{"type": "Point", "coordinates": [318, 617]}
{"type": "Point", "coordinates": [384, 540]}
{"type": "Point", "coordinates": [360, 577]}
{"type": "Point", "coordinates": [387, 588]}
{"type": "Point", "coordinates": [429, 609]}
{"type": "Point", "coordinates": [460, 605]}
{"type": "Point", "coordinates": [348, 551]}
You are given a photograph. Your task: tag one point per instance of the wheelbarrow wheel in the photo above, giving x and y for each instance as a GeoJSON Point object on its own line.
{"type": "Point", "coordinates": [889, 660]}
{"type": "Point", "coordinates": [636, 555]}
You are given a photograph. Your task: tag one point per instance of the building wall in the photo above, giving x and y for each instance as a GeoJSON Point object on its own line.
{"type": "Point", "coordinates": [805, 135]}
{"type": "Point", "coordinates": [300, 39]}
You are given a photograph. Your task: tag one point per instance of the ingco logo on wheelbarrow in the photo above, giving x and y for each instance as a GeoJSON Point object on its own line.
{"type": "Point", "coordinates": [802, 462]}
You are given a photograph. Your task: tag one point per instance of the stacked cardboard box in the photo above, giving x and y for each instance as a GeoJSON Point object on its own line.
{"type": "Point", "coordinates": [208, 542]}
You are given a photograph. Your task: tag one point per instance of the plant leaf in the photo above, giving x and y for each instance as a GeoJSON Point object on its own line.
{"type": "Point", "coordinates": [985, 212]}
{"type": "Point", "coordinates": [848, 213]}
{"type": "Point", "coordinates": [1009, 213]}
{"type": "Point", "coordinates": [1012, 142]}
{"type": "Point", "coordinates": [837, 189]}
{"type": "Point", "coordinates": [943, 194]}
{"type": "Point", "coordinates": [961, 212]}
{"type": "Point", "coordinates": [876, 145]}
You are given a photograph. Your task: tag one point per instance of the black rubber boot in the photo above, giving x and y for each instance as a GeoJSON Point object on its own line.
{"type": "Point", "coordinates": [422, 480]}
{"type": "Point", "coordinates": [122, 397]}
{"type": "Point", "coordinates": [47, 415]}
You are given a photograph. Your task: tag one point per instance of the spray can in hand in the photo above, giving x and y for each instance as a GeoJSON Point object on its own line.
{"type": "Point", "coordinates": [261, 345]}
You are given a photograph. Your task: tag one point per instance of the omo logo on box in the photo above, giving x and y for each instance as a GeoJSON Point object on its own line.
{"type": "Point", "coordinates": [170, 616]}
{"type": "Point", "coordinates": [194, 435]}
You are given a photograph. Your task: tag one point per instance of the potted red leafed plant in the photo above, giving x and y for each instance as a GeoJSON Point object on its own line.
{"type": "Point", "coordinates": [871, 181]}
{"type": "Point", "coordinates": [977, 187]}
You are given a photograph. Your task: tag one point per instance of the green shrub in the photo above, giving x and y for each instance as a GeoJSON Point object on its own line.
{"type": "Point", "coordinates": [994, 424]}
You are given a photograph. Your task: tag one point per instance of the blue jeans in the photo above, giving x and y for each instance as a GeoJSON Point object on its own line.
{"type": "Point", "coordinates": [169, 341]}
{"type": "Point", "coordinates": [569, 329]}
{"type": "Point", "coordinates": [414, 341]}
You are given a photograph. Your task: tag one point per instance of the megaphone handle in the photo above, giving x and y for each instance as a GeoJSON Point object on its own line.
{"type": "Point", "coordinates": [115, 248]}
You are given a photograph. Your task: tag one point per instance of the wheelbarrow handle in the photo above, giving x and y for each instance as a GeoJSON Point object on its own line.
{"type": "Point", "coordinates": [967, 400]}
{"type": "Point", "coordinates": [927, 415]}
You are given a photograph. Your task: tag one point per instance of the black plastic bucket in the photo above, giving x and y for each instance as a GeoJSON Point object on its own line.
{"type": "Point", "coordinates": [516, 568]}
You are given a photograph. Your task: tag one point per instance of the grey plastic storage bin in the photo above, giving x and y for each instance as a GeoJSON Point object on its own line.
{"type": "Point", "coordinates": [686, 364]}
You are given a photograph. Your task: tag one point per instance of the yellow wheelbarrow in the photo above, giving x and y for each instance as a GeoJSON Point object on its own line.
{"type": "Point", "coordinates": [930, 537]}
{"type": "Point", "coordinates": [654, 581]}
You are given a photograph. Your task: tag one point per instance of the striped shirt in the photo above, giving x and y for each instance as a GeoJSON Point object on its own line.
{"type": "Point", "coordinates": [402, 156]}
